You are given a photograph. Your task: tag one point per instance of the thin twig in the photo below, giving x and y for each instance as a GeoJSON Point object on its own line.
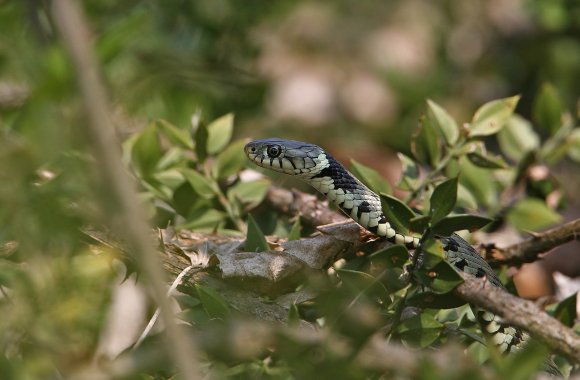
{"type": "Point", "coordinates": [521, 313]}
{"type": "Point", "coordinates": [528, 250]}
{"type": "Point", "coordinates": [125, 210]}
{"type": "Point", "coordinates": [155, 316]}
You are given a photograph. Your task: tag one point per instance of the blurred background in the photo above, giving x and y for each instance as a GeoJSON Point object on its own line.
{"type": "Point", "coordinates": [352, 76]}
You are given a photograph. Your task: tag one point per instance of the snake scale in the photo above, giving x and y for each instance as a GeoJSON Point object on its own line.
{"type": "Point", "coordinates": [322, 171]}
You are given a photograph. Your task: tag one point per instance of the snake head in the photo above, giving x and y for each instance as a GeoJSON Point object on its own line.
{"type": "Point", "coordinates": [287, 156]}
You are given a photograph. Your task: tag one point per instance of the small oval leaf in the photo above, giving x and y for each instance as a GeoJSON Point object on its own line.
{"type": "Point", "coordinates": [443, 199]}
{"type": "Point", "coordinates": [492, 116]}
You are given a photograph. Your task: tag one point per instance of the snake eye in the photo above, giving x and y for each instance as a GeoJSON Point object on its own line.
{"type": "Point", "coordinates": [274, 151]}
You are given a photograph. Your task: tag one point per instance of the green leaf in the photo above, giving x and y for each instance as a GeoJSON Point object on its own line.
{"type": "Point", "coordinates": [517, 138]}
{"type": "Point", "coordinates": [465, 199]}
{"type": "Point", "coordinates": [443, 199]}
{"type": "Point", "coordinates": [175, 135]}
{"type": "Point", "coordinates": [146, 151]}
{"type": "Point", "coordinates": [200, 137]}
{"type": "Point", "coordinates": [255, 239]}
{"type": "Point", "coordinates": [419, 223]}
{"type": "Point", "coordinates": [398, 213]}
{"type": "Point", "coordinates": [231, 160]}
{"type": "Point", "coordinates": [450, 224]}
{"type": "Point", "coordinates": [220, 133]}
{"type": "Point", "coordinates": [425, 144]}
{"type": "Point", "coordinates": [421, 330]}
{"type": "Point", "coordinates": [410, 173]}
{"type": "Point", "coordinates": [370, 177]}
{"type": "Point", "coordinates": [492, 116]}
{"type": "Point", "coordinates": [445, 124]}
{"type": "Point", "coordinates": [522, 365]}
{"type": "Point", "coordinates": [394, 256]}
{"type": "Point", "coordinates": [293, 315]}
{"type": "Point", "coordinates": [441, 278]}
{"type": "Point", "coordinates": [486, 160]}
{"type": "Point", "coordinates": [172, 178]}
{"type": "Point", "coordinates": [249, 193]}
{"type": "Point", "coordinates": [532, 214]}
{"type": "Point", "coordinates": [548, 109]}
{"type": "Point", "coordinates": [362, 283]}
{"type": "Point", "coordinates": [204, 219]}
{"type": "Point", "coordinates": [213, 303]}
{"type": "Point", "coordinates": [574, 145]}
{"type": "Point", "coordinates": [565, 310]}
{"type": "Point", "coordinates": [295, 231]}
{"type": "Point", "coordinates": [480, 182]}
{"type": "Point", "coordinates": [200, 184]}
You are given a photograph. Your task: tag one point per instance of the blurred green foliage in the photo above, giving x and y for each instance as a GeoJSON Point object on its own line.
{"type": "Point", "coordinates": [302, 69]}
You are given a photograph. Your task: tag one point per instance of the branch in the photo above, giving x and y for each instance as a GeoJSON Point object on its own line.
{"type": "Point", "coordinates": [521, 313]}
{"type": "Point", "coordinates": [528, 250]}
{"type": "Point", "coordinates": [308, 206]}
{"type": "Point", "coordinates": [127, 212]}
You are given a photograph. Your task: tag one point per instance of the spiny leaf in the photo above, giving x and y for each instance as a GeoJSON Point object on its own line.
{"type": "Point", "coordinates": [443, 199]}
{"type": "Point", "coordinates": [255, 239]}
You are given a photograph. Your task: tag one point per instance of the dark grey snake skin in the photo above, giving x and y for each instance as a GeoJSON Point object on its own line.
{"type": "Point", "coordinates": [318, 168]}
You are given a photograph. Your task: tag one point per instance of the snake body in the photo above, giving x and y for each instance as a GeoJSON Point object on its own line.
{"type": "Point", "coordinates": [318, 168]}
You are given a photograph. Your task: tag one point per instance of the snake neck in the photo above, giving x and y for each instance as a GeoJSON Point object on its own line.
{"type": "Point", "coordinates": [356, 200]}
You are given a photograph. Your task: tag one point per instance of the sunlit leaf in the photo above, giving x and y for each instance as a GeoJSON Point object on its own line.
{"type": "Point", "coordinates": [201, 185]}
{"type": "Point", "coordinates": [255, 239]}
{"type": "Point", "coordinates": [146, 151]}
{"type": "Point", "coordinates": [370, 177]}
{"type": "Point", "coordinates": [171, 178]}
{"type": "Point", "coordinates": [175, 135]}
{"type": "Point", "coordinates": [443, 199]}
{"type": "Point", "coordinates": [450, 224]}
{"type": "Point", "coordinates": [249, 193]}
{"type": "Point", "coordinates": [220, 133]}
{"type": "Point", "coordinates": [213, 303]}
{"type": "Point", "coordinates": [397, 212]}
{"type": "Point", "coordinates": [548, 109]}
{"type": "Point", "coordinates": [465, 199]}
{"type": "Point", "coordinates": [532, 214]}
{"type": "Point", "coordinates": [440, 119]}
{"type": "Point", "coordinates": [517, 138]}
{"type": "Point", "coordinates": [480, 182]}
{"type": "Point", "coordinates": [231, 160]}
{"type": "Point", "coordinates": [492, 116]}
